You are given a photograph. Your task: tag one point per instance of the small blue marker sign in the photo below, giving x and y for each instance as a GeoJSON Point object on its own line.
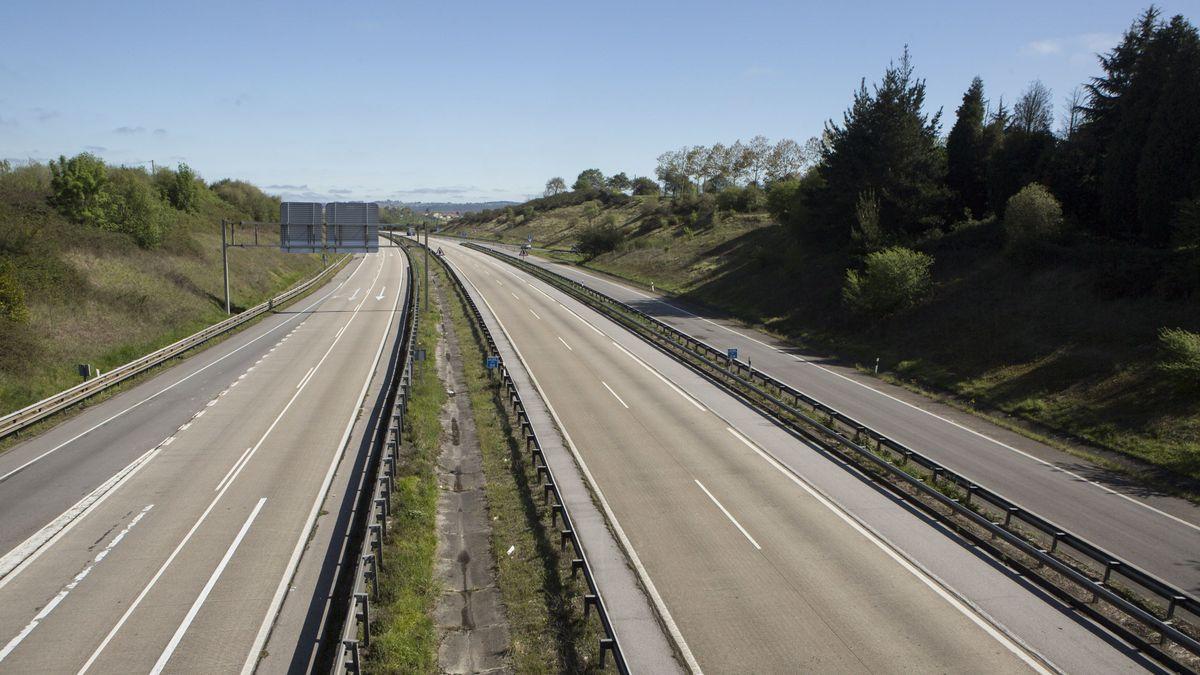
{"type": "Point", "coordinates": [731, 353]}
{"type": "Point", "coordinates": [493, 362]}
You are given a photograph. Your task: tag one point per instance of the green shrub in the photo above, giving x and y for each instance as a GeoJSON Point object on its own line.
{"type": "Point", "coordinates": [597, 239]}
{"type": "Point", "coordinates": [1180, 355]}
{"type": "Point", "coordinates": [78, 188]}
{"type": "Point", "coordinates": [730, 199]}
{"type": "Point", "coordinates": [1032, 217]}
{"type": "Point", "coordinates": [753, 199]}
{"type": "Point", "coordinates": [893, 280]}
{"type": "Point", "coordinates": [644, 186]}
{"type": "Point", "coordinates": [12, 296]}
{"type": "Point", "coordinates": [253, 202]}
{"type": "Point", "coordinates": [135, 209]}
{"type": "Point", "coordinates": [181, 187]}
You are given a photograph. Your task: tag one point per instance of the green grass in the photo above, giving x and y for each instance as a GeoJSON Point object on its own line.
{"type": "Point", "coordinates": [95, 297]}
{"type": "Point", "coordinates": [543, 604]}
{"type": "Point", "coordinates": [403, 636]}
{"type": "Point", "coordinates": [1042, 349]}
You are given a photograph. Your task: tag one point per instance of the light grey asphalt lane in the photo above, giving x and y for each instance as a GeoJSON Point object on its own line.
{"type": "Point", "coordinates": [43, 476]}
{"type": "Point", "coordinates": [181, 567]}
{"type": "Point", "coordinates": [1157, 532]}
{"type": "Point", "coordinates": [765, 565]}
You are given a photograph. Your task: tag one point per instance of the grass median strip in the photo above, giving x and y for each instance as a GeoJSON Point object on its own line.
{"type": "Point", "coordinates": [543, 603]}
{"type": "Point", "coordinates": [403, 639]}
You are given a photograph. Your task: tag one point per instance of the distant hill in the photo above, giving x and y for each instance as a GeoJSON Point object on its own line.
{"type": "Point", "coordinates": [449, 207]}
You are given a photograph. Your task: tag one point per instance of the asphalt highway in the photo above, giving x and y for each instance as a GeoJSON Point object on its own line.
{"type": "Point", "coordinates": [199, 490]}
{"type": "Point", "coordinates": [1158, 532]}
{"type": "Point", "coordinates": [762, 554]}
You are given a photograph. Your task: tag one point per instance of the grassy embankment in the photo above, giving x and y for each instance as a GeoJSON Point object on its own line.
{"type": "Point", "coordinates": [1042, 348]}
{"type": "Point", "coordinates": [94, 296]}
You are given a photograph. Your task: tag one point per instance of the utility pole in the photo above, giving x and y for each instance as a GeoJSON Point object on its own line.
{"type": "Point", "coordinates": [225, 265]}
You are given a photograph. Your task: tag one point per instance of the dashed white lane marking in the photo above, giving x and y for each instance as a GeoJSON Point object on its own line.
{"type": "Point", "coordinates": [565, 344]}
{"type": "Point", "coordinates": [211, 403]}
{"type": "Point", "coordinates": [515, 295]}
{"type": "Point", "coordinates": [212, 581]}
{"type": "Point", "coordinates": [728, 515]}
{"type": "Point", "coordinates": [535, 315]}
{"type": "Point", "coordinates": [665, 381]}
{"type": "Point", "coordinates": [198, 415]}
{"type": "Point", "coordinates": [892, 553]}
{"type": "Point", "coordinates": [169, 440]}
{"type": "Point", "coordinates": [242, 376]}
{"type": "Point", "coordinates": [185, 426]}
{"type": "Point", "coordinates": [66, 590]}
{"type": "Point", "coordinates": [610, 390]}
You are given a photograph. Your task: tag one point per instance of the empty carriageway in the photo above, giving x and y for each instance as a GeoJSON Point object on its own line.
{"type": "Point", "coordinates": [761, 554]}
{"type": "Point", "coordinates": [183, 564]}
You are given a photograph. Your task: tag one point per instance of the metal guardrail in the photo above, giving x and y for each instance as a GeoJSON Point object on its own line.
{"type": "Point", "coordinates": [375, 502]}
{"type": "Point", "coordinates": [1148, 610]}
{"type": "Point", "coordinates": [549, 487]}
{"type": "Point", "coordinates": [16, 421]}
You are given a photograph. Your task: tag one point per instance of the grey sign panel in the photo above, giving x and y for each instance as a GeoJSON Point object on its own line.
{"type": "Point", "coordinates": [353, 227]}
{"type": "Point", "coordinates": [300, 227]}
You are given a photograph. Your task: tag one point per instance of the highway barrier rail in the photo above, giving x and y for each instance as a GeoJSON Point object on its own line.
{"type": "Point", "coordinates": [21, 419]}
{"type": "Point", "coordinates": [579, 563]}
{"type": "Point", "coordinates": [374, 503]}
{"type": "Point", "coordinates": [1159, 618]}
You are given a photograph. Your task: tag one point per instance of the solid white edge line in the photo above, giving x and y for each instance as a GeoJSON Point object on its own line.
{"type": "Point", "coordinates": [610, 390]}
{"type": "Point", "coordinates": [916, 569]}
{"type": "Point", "coordinates": [901, 401]}
{"type": "Point", "coordinates": [264, 629]}
{"type": "Point", "coordinates": [728, 515]}
{"type": "Point", "coordinates": [169, 650]}
{"type": "Point", "coordinates": [233, 468]}
{"type": "Point", "coordinates": [662, 377]}
{"type": "Point", "coordinates": [663, 613]}
{"type": "Point", "coordinates": [176, 383]}
{"type": "Point", "coordinates": [305, 378]}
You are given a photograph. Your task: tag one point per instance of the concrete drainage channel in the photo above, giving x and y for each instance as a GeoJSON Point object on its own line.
{"type": "Point", "coordinates": [609, 645]}
{"type": "Point", "coordinates": [1162, 620]}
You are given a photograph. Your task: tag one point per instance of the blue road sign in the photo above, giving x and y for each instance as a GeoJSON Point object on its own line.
{"type": "Point", "coordinates": [731, 353]}
{"type": "Point", "coordinates": [493, 362]}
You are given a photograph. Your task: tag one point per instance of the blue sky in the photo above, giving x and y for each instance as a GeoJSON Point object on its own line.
{"type": "Point", "coordinates": [479, 101]}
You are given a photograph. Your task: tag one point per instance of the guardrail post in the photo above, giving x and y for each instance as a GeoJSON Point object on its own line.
{"type": "Point", "coordinates": [351, 650]}
{"type": "Point", "coordinates": [1174, 602]}
{"type": "Point", "coordinates": [606, 645]}
{"type": "Point", "coordinates": [370, 574]}
{"type": "Point", "coordinates": [363, 614]}
{"type": "Point", "coordinates": [375, 532]}
{"type": "Point", "coordinates": [589, 600]}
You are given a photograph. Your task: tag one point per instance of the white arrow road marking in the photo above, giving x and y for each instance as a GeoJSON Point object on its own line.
{"type": "Point", "coordinates": [380, 296]}
{"type": "Point", "coordinates": [352, 297]}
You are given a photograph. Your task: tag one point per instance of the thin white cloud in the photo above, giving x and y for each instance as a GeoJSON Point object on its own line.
{"type": "Point", "coordinates": [1074, 47]}
{"type": "Point", "coordinates": [126, 131]}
